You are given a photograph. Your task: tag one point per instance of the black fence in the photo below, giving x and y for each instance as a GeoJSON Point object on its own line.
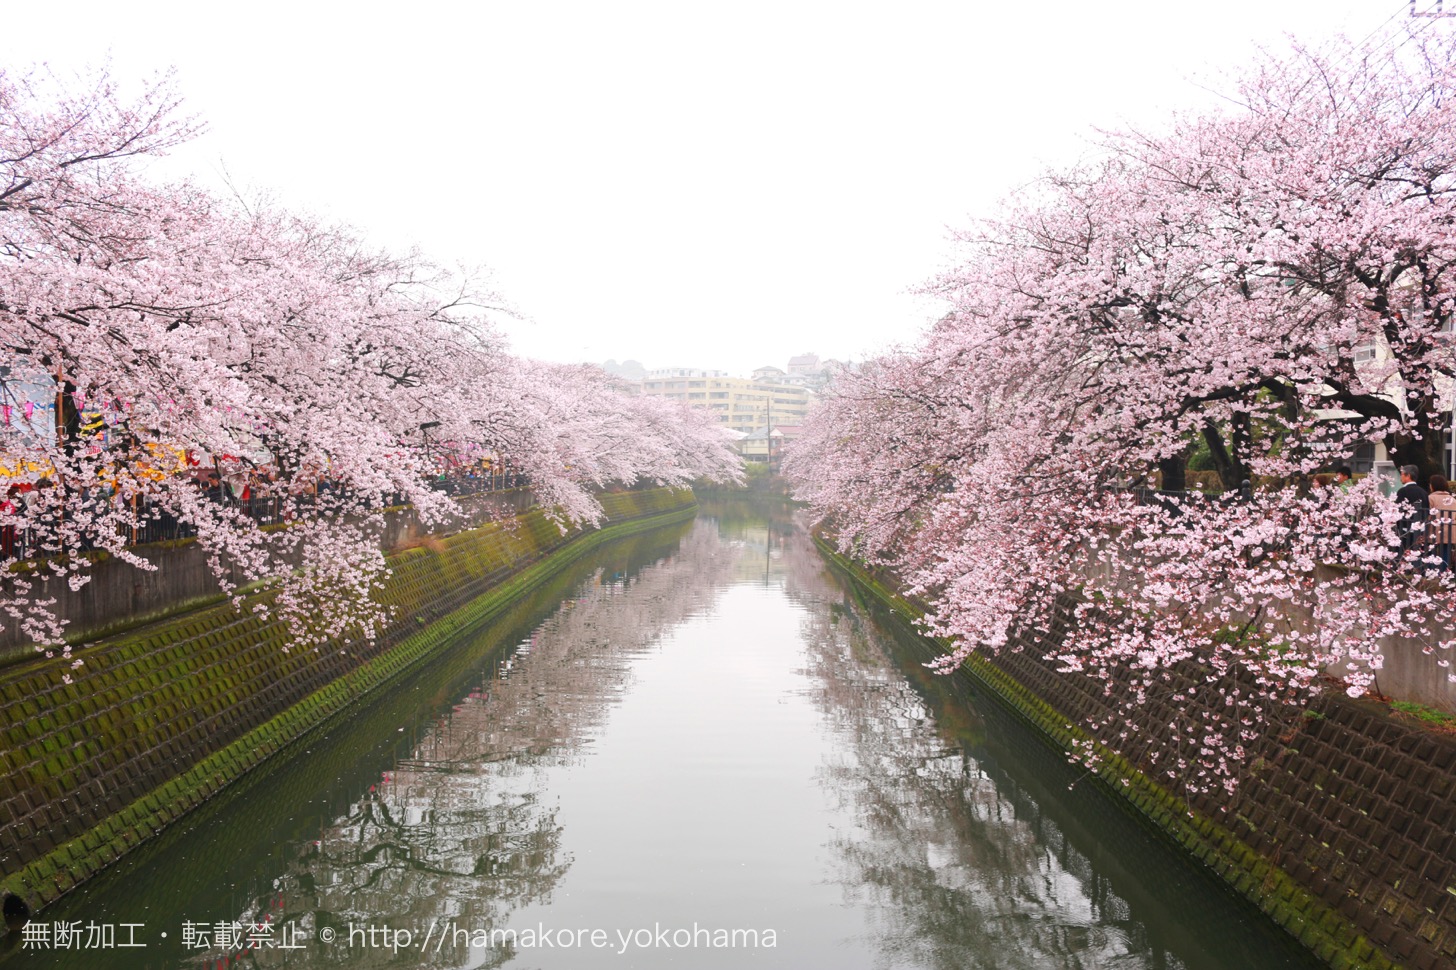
{"type": "Point", "coordinates": [155, 523]}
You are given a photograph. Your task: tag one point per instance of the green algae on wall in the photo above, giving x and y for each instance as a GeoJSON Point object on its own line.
{"type": "Point", "coordinates": [164, 717]}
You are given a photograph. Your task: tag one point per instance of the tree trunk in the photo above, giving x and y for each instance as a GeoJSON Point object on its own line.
{"type": "Point", "coordinates": [1426, 453]}
{"type": "Point", "coordinates": [1175, 472]}
{"type": "Point", "coordinates": [68, 419]}
{"type": "Point", "coordinates": [1228, 462]}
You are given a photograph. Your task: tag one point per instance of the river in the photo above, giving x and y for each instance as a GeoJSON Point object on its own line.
{"type": "Point", "coordinates": [700, 747]}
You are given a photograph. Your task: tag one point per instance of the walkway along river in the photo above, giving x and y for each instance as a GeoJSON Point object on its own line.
{"type": "Point", "coordinates": [701, 747]}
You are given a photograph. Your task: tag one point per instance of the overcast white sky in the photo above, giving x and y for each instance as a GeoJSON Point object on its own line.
{"type": "Point", "coordinates": [687, 184]}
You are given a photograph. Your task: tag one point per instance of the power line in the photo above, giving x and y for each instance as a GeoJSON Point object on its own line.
{"type": "Point", "coordinates": [1383, 25]}
{"type": "Point", "coordinates": [1388, 44]}
{"type": "Point", "coordinates": [1397, 39]}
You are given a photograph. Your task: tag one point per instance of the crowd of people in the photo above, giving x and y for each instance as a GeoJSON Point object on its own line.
{"type": "Point", "coordinates": [1427, 525]}
{"type": "Point", "coordinates": [1428, 517]}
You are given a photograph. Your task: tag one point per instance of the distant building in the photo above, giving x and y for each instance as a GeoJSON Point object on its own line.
{"type": "Point", "coordinates": [663, 373]}
{"type": "Point", "coordinates": [804, 365]}
{"type": "Point", "coordinates": [768, 445]}
{"type": "Point", "coordinates": [808, 370]}
{"type": "Point", "coordinates": [738, 403]}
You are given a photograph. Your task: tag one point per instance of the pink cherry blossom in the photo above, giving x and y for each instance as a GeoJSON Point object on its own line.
{"type": "Point", "coordinates": [1271, 284]}
{"type": "Point", "coordinates": [276, 349]}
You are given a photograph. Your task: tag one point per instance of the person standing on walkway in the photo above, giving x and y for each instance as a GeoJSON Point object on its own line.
{"type": "Point", "coordinates": [1443, 518]}
{"type": "Point", "coordinates": [1415, 508]}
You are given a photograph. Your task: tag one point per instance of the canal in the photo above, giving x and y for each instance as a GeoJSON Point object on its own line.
{"type": "Point", "coordinates": [700, 747]}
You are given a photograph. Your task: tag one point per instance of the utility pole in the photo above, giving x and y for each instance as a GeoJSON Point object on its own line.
{"type": "Point", "coordinates": [768, 431]}
{"type": "Point", "coordinates": [1434, 13]}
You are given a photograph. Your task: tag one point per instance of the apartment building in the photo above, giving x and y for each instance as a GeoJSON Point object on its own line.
{"type": "Point", "coordinates": [738, 402]}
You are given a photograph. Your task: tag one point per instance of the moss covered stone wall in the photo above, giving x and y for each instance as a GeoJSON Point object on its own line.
{"type": "Point", "coordinates": [160, 718]}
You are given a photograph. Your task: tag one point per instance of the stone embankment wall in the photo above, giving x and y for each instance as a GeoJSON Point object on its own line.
{"type": "Point", "coordinates": [1411, 674]}
{"type": "Point", "coordinates": [120, 596]}
{"type": "Point", "coordinates": [1343, 828]}
{"type": "Point", "coordinates": [163, 717]}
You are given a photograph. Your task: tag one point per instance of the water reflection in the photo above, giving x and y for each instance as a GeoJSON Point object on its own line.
{"type": "Point", "coordinates": [709, 729]}
{"type": "Point", "coordinates": [464, 831]}
{"type": "Point", "coordinates": [957, 875]}
{"type": "Point", "coordinates": [954, 873]}
{"type": "Point", "coordinates": [967, 848]}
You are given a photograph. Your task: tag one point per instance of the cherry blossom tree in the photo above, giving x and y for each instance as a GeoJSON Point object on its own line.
{"type": "Point", "coordinates": [585, 431]}
{"type": "Point", "coordinates": [172, 327]}
{"type": "Point", "coordinates": [1213, 285]}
